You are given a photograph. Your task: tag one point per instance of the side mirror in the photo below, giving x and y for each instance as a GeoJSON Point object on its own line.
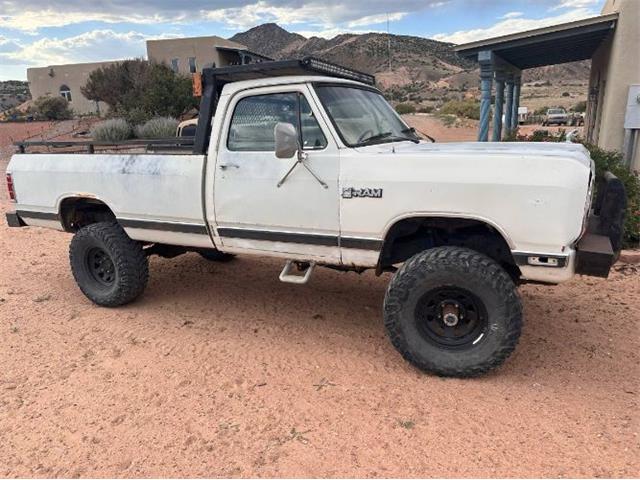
{"type": "Point", "coordinates": [286, 140]}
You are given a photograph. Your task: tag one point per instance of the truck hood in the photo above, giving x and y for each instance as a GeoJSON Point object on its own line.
{"type": "Point", "coordinates": [573, 151]}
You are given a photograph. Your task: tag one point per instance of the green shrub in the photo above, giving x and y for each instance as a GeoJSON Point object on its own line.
{"type": "Point", "coordinates": [161, 127]}
{"type": "Point", "coordinates": [541, 111]}
{"type": "Point", "coordinates": [112, 130]}
{"type": "Point", "coordinates": [139, 90]}
{"type": "Point", "coordinates": [462, 108]}
{"type": "Point", "coordinates": [580, 107]}
{"type": "Point", "coordinates": [52, 108]}
{"type": "Point", "coordinates": [425, 109]}
{"type": "Point", "coordinates": [447, 119]}
{"type": "Point", "coordinates": [403, 108]}
{"type": "Point", "coordinates": [607, 160]}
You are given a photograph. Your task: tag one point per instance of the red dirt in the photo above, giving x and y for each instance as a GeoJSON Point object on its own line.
{"type": "Point", "coordinates": [221, 370]}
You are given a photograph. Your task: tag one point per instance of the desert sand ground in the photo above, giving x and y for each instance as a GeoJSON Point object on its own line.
{"type": "Point", "coordinates": [222, 370]}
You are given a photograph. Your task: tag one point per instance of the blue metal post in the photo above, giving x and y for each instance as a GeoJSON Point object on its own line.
{"type": "Point", "coordinates": [516, 103]}
{"type": "Point", "coordinates": [508, 114]}
{"type": "Point", "coordinates": [499, 105]}
{"type": "Point", "coordinates": [485, 58]}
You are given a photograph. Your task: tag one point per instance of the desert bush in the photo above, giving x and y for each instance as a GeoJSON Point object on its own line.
{"type": "Point", "coordinates": [580, 107]}
{"type": "Point", "coordinates": [112, 130]}
{"type": "Point", "coordinates": [608, 160]}
{"type": "Point", "coordinates": [52, 108]}
{"type": "Point", "coordinates": [541, 110]}
{"type": "Point", "coordinates": [425, 109]}
{"type": "Point", "coordinates": [448, 120]}
{"type": "Point", "coordinates": [566, 94]}
{"type": "Point", "coordinates": [403, 108]}
{"type": "Point", "coordinates": [462, 108]}
{"type": "Point", "coordinates": [160, 127]}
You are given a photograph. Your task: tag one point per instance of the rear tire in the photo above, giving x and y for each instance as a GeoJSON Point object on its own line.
{"type": "Point", "coordinates": [109, 267]}
{"type": "Point", "coordinates": [453, 311]}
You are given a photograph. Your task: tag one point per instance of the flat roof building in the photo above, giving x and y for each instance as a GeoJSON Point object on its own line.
{"type": "Point", "coordinates": [183, 55]}
{"type": "Point", "coordinates": [66, 81]}
{"type": "Point", "coordinates": [192, 54]}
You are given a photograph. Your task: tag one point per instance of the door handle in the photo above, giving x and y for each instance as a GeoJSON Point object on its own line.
{"type": "Point", "coordinates": [224, 166]}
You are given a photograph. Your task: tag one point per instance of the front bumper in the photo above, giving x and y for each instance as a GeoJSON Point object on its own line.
{"type": "Point", "coordinates": [14, 220]}
{"type": "Point", "coordinates": [599, 247]}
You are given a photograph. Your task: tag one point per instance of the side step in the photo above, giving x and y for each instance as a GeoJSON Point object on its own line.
{"type": "Point", "coordinates": [288, 277]}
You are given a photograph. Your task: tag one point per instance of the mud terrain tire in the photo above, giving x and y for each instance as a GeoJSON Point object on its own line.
{"type": "Point", "coordinates": [109, 267]}
{"type": "Point", "coordinates": [476, 297]}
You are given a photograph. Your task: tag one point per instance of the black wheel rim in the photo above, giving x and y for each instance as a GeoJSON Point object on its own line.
{"type": "Point", "coordinates": [451, 318]}
{"type": "Point", "coordinates": [101, 267]}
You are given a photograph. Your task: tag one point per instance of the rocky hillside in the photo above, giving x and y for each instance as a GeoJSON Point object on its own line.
{"type": "Point", "coordinates": [13, 93]}
{"type": "Point", "coordinates": [413, 59]}
{"type": "Point", "coordinates": [421, 71]}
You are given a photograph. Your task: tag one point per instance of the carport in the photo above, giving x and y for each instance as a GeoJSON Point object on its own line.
{"type": "Point", "coordinates": [502, 60]}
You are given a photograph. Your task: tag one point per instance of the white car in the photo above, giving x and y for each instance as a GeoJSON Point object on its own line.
{"type": "Point", "coordinates": [556, 116]}
{"type": "Point", "coordinates": [307, 162]}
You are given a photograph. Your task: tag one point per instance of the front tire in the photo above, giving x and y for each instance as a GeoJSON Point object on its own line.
{"type": "Point", "coordinates": [109, 267]}
{"type": "Point", "coordinates": [453, 311]}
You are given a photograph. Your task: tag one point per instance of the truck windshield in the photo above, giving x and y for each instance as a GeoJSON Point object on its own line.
{"type": "Point", "coordinates": [363, 117]}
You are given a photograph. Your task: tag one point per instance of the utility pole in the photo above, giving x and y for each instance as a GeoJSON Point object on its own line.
{"type": "Point", "coordinates": [389, 41]}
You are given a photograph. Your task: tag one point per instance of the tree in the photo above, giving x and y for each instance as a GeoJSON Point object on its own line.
{"type": "Point", "coordinates": [403, 108]}
{"type": "Point", "coordinates": [139, 90]}
{"type": "Point", "coordinates": [52, 108]}
{"type": "Point", "coordinates": [580, 107]}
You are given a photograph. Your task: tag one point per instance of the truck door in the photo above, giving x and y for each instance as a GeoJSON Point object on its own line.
{"type": "Point", "coordinates": [255, 209]}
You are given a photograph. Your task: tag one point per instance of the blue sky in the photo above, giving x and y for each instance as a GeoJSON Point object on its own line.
{"type": "Point", "coordinates": [49, 32]}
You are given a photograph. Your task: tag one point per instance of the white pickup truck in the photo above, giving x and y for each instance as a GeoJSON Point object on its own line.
{"type": "Point", "coordinates": [306, 161]}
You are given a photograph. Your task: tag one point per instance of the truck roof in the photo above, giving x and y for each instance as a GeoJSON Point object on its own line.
{"type": "Point", "coordinates": [233, 87]}
{"type": "Point", "coordinates": [281, 68]}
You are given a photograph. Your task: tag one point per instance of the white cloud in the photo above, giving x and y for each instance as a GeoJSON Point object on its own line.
{"type": "Point", "coordinates": [30, 21]}
{"type": "Point", "coordinates": [32, 16]}
{"type": "Point", "coordinates": [512, 15]}
{"type": "Point", "coordinates": [513, 25]}
{"type": "Point", "coordinates": [377, 19]}
{"type": "Point", "coordinates": [94, 46]}
{"type": "Point", "coordinates": [576, 4]}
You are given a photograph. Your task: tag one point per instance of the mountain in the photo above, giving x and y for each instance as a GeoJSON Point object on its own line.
{"type": "Point", "coordinates": [409, 68]}
{"type": "Point", "coordinates": [413, 59]}
{"type": "Point", "coordinates": [13, 93]}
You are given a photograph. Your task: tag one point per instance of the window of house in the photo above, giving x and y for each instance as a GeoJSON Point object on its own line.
{"type": "Point", "coordinates": [174, 64]}
{"type": "Point", "coordinates": [65, 92]}
{"type": "Point", "coordinates": [255, 118]}
{"type": "Point", "coordinates": [192, 64]}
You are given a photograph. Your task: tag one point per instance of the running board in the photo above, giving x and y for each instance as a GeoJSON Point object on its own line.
{"type": "Point", "coordinates": [288, 277]}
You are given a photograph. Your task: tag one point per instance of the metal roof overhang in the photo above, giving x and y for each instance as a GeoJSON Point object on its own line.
{"type": "Point", "coordinates": [563, 43]}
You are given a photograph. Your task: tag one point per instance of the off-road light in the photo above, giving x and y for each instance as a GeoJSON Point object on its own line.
{"type": "Point", "coordinates": [337, 70]}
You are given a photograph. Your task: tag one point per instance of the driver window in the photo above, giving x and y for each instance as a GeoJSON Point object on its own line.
{"type": "Point", "coordinates": [255, 118]}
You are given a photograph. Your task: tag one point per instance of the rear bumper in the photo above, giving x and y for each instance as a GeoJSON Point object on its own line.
{"type": "Point", "coordinates": [14, 220]}
{"type": "Point", "coordinates": [599, 248]}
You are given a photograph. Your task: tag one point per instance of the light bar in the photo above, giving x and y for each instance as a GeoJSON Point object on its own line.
{"type": "Point", "coordinates": [337, 70]}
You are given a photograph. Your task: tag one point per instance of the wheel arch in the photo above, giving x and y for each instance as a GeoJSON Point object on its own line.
{"type": "Point", "coordinates": [79, 210]}
{"type": "Point", "coordinates": [411, 234]}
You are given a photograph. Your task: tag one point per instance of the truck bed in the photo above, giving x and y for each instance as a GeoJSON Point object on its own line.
{"type": "Point", "coordinates": [156, 197]}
